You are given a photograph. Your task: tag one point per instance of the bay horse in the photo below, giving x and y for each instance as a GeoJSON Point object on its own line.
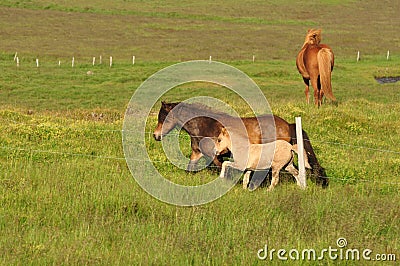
{"type": "Point", "coordinates": [201, 122]}
{"type": "Point", "coordinates": [315, 62]}
{"type": "Point", "coordinates": [251, 157]}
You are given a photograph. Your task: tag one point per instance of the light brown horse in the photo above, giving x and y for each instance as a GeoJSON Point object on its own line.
{"type": "Point", "coordinates": [315, 62]}
{"type": "Point", "coordinates": [250, 157]}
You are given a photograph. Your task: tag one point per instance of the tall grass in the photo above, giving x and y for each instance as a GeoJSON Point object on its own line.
{"type": "Point", "coordinates": [66, 193]}
{"type": "Point", "coordinates": [68, 197]}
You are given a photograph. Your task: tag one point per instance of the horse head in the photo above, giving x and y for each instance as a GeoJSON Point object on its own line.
{"type": "Point", "coordinates": [313, 37]}
{"type": "Point", "coordinates": [166, 121]}
{"type": "Point", "coordinates": [222, 142]}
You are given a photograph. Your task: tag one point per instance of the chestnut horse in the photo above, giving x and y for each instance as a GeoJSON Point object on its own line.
{"type": "Point", "coordinates": [315, 62]}
{"type": "Point", "coordinates": [201, 123]}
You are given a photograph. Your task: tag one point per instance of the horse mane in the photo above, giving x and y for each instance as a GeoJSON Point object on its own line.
{"type": "Point", "coordinates": [199, 108]}
{"type": "Point", "coordinates": [313, 37]}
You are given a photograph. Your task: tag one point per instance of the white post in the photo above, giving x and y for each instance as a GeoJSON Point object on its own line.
{"type": "Point", "coordinates": [110, 61]}
{"type": "Point", "coordinates": [17, 61]}
{"type": "Point", "coordinates": [15, 56]}
{"type": "Point", "coordinates": [209, 61]}
{"type": "Point", "coordinates": [101, 59]}
{"type": "Point", "coordinates": [94, 60]}
{"type": "Point", "coordinates": [254, 58]}
{"type": "Point", "coordinates": [59, 63]}
{"type": "Point", "coordinates": [37, 62]}
{"type": "Point", "coordinates": [300, 152]}
{"type": "Point", "coordinates": [73, 61]}
{"type": "Point", "coordinates": [358, 56]}
{"type": "Point", "coordinates": [133, 60]}
{"type": "Point", "coordinates": [387, 56]}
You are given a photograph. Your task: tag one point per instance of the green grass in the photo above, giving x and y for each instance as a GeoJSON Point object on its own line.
{"type": "Point", "coordinates": [169, 31]}
{"type": "Point", "coordinates": [68, 197]}
{"type": "Point", "coordinates": [66, 193]}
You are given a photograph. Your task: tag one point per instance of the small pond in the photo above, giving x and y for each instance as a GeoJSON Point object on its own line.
{"type": "Point", "coordinates": [383, 80]}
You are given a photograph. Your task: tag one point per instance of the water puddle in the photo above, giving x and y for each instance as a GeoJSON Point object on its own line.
{"type": "Point", "coordinates": [383, 80]}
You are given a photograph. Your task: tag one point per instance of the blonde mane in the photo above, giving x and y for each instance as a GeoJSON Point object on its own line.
{"type": "Point", "coordinates": [313, 37]}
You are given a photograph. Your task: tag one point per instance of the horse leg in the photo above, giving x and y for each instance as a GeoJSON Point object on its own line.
{"type": "Point", "coordinates": [321, 96]}
{"type": "Point", "coordinates": [291, 169]}
{"type": "Point", "coordinates": [275, 178]}
{"type": "Point", "coordinates": [314, 83]}
{"type": "Point", "coordinates": [246, 179]}
{"type": "Point", "coordinates": [223, 168]}
{"type": "Point", "coordinates": [307, 90]}
{"type": "Point", "coordinates": [194, 158]}
{"type": "Point", "coordinates": [216, 161]}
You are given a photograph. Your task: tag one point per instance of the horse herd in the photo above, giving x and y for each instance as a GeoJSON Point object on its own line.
{"type": "Point", "coordinates": [255, 143]}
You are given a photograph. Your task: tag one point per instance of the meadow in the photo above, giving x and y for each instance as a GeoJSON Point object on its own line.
{"type": "Point", "coordinates": [66, 193]}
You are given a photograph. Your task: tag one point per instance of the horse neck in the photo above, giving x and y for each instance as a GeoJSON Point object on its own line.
{"type": "Point", "coordinates": [240, 148]}
{"type": "Point", "coordinates": [304, 45]}
{"type": "Point", "coordinates": [185, 114]}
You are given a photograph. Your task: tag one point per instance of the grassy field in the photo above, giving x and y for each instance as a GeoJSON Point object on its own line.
{"type": "Point", "coordinates": [66, 193]}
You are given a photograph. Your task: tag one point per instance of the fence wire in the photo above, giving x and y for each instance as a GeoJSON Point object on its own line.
{"type": "Point", "coordinates": [175, 132]}
{"type": "Point", "coordinates": [149, 135]}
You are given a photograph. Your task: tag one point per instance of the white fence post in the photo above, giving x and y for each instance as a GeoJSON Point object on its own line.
{"type": "Point", "coordinates": [111, 61]}
{"type": "Point", "coordinates": [358, 56]}
{"type": "Point", "coordinates": [300, 149]}
{"type": "Point", "coordinates": [133, 60]}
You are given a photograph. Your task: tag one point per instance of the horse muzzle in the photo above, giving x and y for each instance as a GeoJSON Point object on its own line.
{"type": "Point", "coordinates": [157, 136]}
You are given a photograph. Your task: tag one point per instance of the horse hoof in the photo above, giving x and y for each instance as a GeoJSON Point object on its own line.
{"type": "Point", "coordinates": [252, 187]}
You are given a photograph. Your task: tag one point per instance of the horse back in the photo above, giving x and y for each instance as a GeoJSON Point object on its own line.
{"type": "Point", "coordinates": [262, 129]}
{"type": "Point", "coordinates": [200, 127]}
{"type": "Point", "coordinates": [262, 155]}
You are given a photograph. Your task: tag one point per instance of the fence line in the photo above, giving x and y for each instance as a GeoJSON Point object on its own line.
{"type": "Point", "coordinates": [91, 60]}
{"type": "Point", "coordinates": [359, 147]}
{"type": "Point", "coordinates": [167, 162]}
{"type": "Point", "coordinates": [60, 153]}
{"type": "Point", "coordinates": [150, 133]}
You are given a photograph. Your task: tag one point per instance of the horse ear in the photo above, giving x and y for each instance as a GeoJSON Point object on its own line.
{"type": "Point", "coordinates": [224, 131]}
{"type": "Point", "coordinates": [163, 103]}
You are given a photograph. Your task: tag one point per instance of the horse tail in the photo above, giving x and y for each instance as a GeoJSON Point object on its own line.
{"type": "Point", "coordinates": [300, 64]}
{"type": "Point", "coordinates": [325, 59]}
{"type": "Point", "coordinates": [318, 172]}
